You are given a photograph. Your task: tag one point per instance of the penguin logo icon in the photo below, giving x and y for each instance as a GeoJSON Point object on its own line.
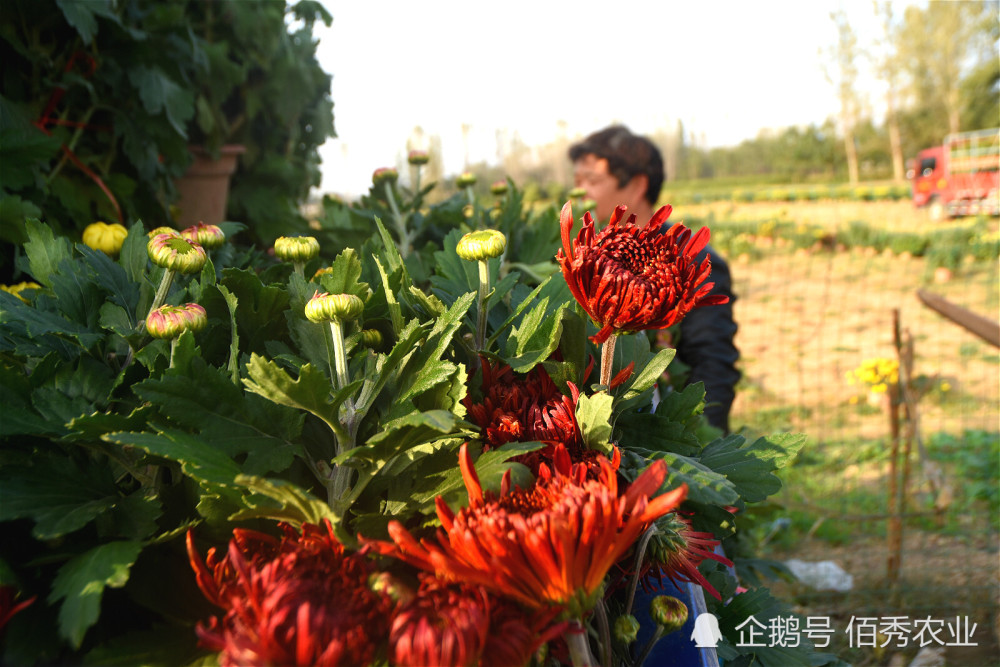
{"type": "Point", "coordinates": [706, 631]}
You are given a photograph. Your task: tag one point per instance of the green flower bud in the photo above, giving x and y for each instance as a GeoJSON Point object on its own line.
{"type": "Point", "coordinates": [296, 248]}
{"type": "Point", "coordinates": [104, 237]}
{"type": "Point", "coordinates": [172, 321]}
{"type": "Point", "coordinates": [209, 236]}
{"type": "Point", "coordinates": [577, 193]}
{"type": "Point", "coordinates": [626, 629]}
{"type": "Point", "coordinates": [668, 612]}
{"type": "Point", "coordinates": [468, 211]}
{"type": "Point", "coordinates": [384, 175]}
{"type": "Point", "coordinates": [163, 230]}
{"type": "Point", "coordinates": [417, 158]}
{"type": "Point", "coordinates": [465, 180]}
{"type": "Point", "coordinates": [589, 204]}
{"type": "Point", "coordinates": [328, 307]}
{"type": "Point", "coordinates": [371, 338]}
{"type": "Point", "coordinates": [481, 245]}
{"type": "Point", "coordinates": [176, 253]}
{"type": "Point", "coordinates": [499, 188]}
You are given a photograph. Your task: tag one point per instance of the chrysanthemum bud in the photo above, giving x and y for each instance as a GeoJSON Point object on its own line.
{"type": "Point", "coordinates": [371, 338]}
{"type": "Point", "coordinates": [296, 248]}
{"type": "Point", "coordinates": [668, 612]}
{"type": "Point", "coordinates": [417, 158]}
{"type": "Point", "coordinates": [176, 253]}
{"type": "Point", "coordinates": [626, 629]}
{"type": "Point", "coordinates": [163, 230]}
{"type": "Point", "coordinates": [468, 211]}
{"type": "Point", "coordinates": [384, 175]}
{"type": "Point", "coordinates": [499, 188]}
{"type": "Point", "coordinates": [321, 271]}
{"type": "Point", "coordinates": [465, 180]}
{"type": "Point", "coordinates": [329, 307]}
{"type": "Point", "coordinates": [18, 288]}
{"type": "Point", "coordinates": [172, 321]}
{"type": "Point", "coordinates": [384, 582]}
{"type": "Point", "coordinates": [481, 245]}
{"type": "Point", "coordinates": [588, 204]}
{"type": "Point", "coordinates": [104, 237]}
{"type": "Point", "coordinates": [577, 193]}
{"type": "Point", "coordinates": [209, 236]}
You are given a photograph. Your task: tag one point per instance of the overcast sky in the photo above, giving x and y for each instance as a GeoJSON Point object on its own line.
{"type": "Point", "coordinates": [725, 68]}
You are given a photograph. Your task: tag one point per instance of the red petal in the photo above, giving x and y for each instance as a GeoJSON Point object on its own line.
{"type": "Point", "coordinates": [565, 226]}
{"type": "Point", "coordinates": [470, 477]}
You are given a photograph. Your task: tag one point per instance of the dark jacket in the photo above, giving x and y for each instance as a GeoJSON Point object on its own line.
{"type": "Point", "coordinates": [706, 344]}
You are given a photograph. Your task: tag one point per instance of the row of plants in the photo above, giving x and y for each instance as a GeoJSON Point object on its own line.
{"type": "Point", "coordinates": [790, 193]}
{"type": "Point", "coordinates": [948, 247]}
{"type": "Point", "coordinates": [436, 445]}
{"type": "Point", "coordinates": [102, 101]}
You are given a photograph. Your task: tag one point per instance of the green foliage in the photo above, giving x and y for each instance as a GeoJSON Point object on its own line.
{"type": "Point", "coordinates": [102, 99]}
{"type": "Point", "coordinates": [118, 444]}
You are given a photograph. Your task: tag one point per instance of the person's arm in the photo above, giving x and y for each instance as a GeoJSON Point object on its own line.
{"type": "Point", "coordinates": [707, 346]}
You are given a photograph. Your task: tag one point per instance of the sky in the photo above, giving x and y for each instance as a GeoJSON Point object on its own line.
{"type": "Point", "coordinates": [725, 68]}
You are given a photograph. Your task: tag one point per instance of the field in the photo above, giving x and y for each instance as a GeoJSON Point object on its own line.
{"type": "Point", "coordinates": [809, 314]}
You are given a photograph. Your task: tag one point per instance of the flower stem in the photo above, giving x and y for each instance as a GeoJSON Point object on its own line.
{"type": "Point", "coordinates": [173, 350]}
{"type": "Point", "coordinates": [607, 360]}
{"type": "Point", "coordinates": [484, 291]}
{"type": "Point", "coordinates": [161, 292]}
{"type": "Point", "coordinates": [404, 236]}
{"type": "Point", "coordinates": [649, 646]}
{"type": "Point", "coordinates": [416, 179]}
{"type": "Point", "coordinates": [300, 268]}
{"type": "Point", "coordinates": [576, 640]}
{"type": "Point", "coordinates": [601, 612]}
{"type": "Point", "coordinates": [640, 552]}
{"type": "Point", "coordinates": [339, 353]}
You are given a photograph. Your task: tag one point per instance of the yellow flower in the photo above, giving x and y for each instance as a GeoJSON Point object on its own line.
{"type": "Point", "coordinates": [18, 288]}
{"type": "Point", "coordinates": [104, 237]}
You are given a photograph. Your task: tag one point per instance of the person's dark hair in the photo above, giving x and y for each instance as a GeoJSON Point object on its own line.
{"type": "Point", "coordinates": [628, 156]}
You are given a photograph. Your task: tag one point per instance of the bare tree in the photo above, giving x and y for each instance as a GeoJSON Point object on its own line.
{"type": "Point", "coordinates": [844, 74]}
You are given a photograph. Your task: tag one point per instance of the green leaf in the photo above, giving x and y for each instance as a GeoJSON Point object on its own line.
{"type": "Point", "coordinates": [259, 317]}
{"type": "Point", "coordinates": [81, 14]}
{"type": "Point", "coordinates": [81, 583]}
{"type": "Point", "coordinates": [197, 457]}
{"type": "Point", "coordinates": [704, 485]}
{"type": "Point", "coordinates": [593, 414]}
{"type": "Point", "coordinates": [345, 276]}
{"type": "Point", "coordinates": [395, 312]}
{"type": "Point", "coordinates": [121, 289]}
{"type": "Point", "coordinates": [535, 339]}
{"type": "Point", "coordinates": [310, 392]}
{"type": "Point", "coordinates": [37, 322]}
{"type": "Point", "coordinates": [234, 345]}
{"type": "Point", "coordinates": [750, 467]}
{"type": "Point", "coordinates": [204, 400]}
{"type": "Point", "coordinates": [60, 495]}
{"type": "Point", "coordinates": [159, 93]}
{"type": "Point", "coordinates": [647, 377]}
{"type": "Point", "coordinates": [281, 501]}
{"type": "Point", "coordinates": [45, 251]}
{"type": "Point", "coordinates": [133, 256]}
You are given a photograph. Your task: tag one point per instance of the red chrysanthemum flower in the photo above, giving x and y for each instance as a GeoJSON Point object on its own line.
{"type": "Point", "coordinates": [675, 551]}
{"type": "Point", "coordinates": [516, 634]}
{"type": "Point", "coordinates": [300, 600]}
{"type": "Point", "coordinates": [530, 408]}
{"type": "Point", "coordinates": [550, 545]}
{"type": "Point", "coordinates": [630, 279]}
{"type": "Point", "coordinates": [444, 625]}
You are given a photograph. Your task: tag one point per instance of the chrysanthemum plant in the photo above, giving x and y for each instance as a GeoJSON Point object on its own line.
{"type": "Point", "coordinates": [359, 457]}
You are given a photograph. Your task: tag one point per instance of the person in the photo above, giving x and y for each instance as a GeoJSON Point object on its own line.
{"type": "Point", "coordinates": [615, 166]}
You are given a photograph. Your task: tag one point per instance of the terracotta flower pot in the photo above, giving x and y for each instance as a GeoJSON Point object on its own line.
{"type": "Point", "coordinates": [204, 188]}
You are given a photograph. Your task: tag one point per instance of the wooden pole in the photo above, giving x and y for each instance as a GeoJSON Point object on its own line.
{"type": "Point", "coordinates": [985, 328]}
{"type": "Point", "coordinates": [894, 534]}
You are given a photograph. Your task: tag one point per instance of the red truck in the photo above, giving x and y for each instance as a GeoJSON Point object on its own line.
{"type": "Point", "coordinates": [960, 177]}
